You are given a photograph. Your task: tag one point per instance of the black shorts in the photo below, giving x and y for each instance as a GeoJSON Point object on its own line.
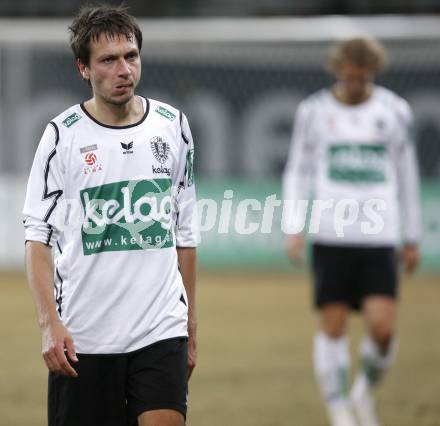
{"type": "Point", "coordinates": [351, 273]}
{"type": "Point", "coordinates": [113, 390]}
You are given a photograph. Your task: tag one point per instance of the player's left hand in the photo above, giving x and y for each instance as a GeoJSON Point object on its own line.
{"type": "Point", "coordinates": [192, 349]}
{"type": "Point", "coordinates": [295, 248]}
{"type": "Point", "coordinates": [410, 257]}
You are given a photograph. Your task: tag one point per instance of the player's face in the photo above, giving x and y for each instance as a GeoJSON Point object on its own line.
{"type": "Point", "coordinates": [355, 81]}
{"type": "Point", "coordinates": [114, 68]}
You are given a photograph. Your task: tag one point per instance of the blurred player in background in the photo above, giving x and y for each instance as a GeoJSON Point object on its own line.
{"type": "Point", "coordinates": [354, 142]}
{"type": "Point", "coordinates": [119, 338]}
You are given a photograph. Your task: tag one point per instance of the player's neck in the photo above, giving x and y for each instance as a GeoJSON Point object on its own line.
{"type": "Point", "coordinates": [115, 115]}
{"type": "Point", "coordinates": [347, 98]}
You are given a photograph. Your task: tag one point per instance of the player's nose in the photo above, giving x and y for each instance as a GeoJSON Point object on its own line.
{"type": "Point", "coordinates": [123, 67]}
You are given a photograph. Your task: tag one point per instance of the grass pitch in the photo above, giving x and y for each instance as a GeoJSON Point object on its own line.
{"type": "Point", "coordinates": [255, 344]}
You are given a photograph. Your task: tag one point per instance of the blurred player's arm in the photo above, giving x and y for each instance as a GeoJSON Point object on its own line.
{"type": "Point", "coordinates": [187, 266]}
{"type": "Point", "coordinates": [55, 337]}
{"type": "Point", "coordinates": [43, 196]}
{"type": "Point", "coordinates": [187, 236]}
{"type": "Point", "coordinates": [297, 182]}
{"type": "Point", "coordinates": [409, 194]}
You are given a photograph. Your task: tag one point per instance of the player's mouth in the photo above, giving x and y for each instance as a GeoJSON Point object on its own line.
{"type": "Point", "coordinates": [123, 87]}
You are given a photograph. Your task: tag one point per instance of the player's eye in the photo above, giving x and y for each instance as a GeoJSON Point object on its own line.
{"type": "Point", "coordinates": [132, 56]}
{"type": "Point", "coordinates": [108, 60]}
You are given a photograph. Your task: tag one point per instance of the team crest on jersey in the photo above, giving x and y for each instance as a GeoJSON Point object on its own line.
{"type": "Point", "coordinates": [380, 124]}
{"type": "Point", "coordinates": [92, 165]}
{"type": "Point", "coordinates": [160, 149]}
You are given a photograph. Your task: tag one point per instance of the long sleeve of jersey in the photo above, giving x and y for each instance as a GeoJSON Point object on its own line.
{"type": "Point", "coordinates": [44, 190]}
{"type": "Point", "coordinates": [408, 180]}
{"type": "Point", "coordinates": [298, 173]}
{"type": "Point", "coordinates": [187, 231]}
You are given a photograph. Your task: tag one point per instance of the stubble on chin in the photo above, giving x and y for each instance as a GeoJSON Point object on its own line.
{"type": "Point", "coordinates": [120, 100]}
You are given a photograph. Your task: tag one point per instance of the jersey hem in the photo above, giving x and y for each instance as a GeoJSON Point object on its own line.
{"type": "Point", "coordinates": [342, 242]}
{"type": "Point", "coordinates": [134, 350]}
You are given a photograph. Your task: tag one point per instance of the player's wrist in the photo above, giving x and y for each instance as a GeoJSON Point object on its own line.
{"type": "Point", "coordinates": [410, 245]}
{"type": "Point", "coordinates": [49, 320]}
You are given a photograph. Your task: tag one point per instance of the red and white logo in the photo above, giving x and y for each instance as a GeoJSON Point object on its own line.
{"type": "Point", "coordinates": [90, 158]}
{"type": "Point", "coordinates": [92, 165]}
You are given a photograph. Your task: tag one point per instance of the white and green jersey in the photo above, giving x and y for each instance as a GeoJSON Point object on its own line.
{"type": "Point", "coordinates": [115, 202]}
{"type": "Point", "coordinates": [361, 155]}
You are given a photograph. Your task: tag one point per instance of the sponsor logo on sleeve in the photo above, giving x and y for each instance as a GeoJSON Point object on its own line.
{"type": "Point", "coordinates": [167, 114]}
{"type": "Point", "coordinates": [71, 119]}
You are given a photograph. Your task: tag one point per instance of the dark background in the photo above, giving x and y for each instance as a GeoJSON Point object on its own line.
{"type": "Point", "coordinates": [203, 8]}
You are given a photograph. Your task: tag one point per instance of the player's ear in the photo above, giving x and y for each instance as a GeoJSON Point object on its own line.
{"type": "Point", "coordinates": [82, 69]}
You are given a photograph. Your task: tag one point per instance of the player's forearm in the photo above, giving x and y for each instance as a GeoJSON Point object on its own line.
{"type": "Point", "coordinates": [39, 269]}
{"type": "Point", "coordinates": [409, 190]}
{"type": "Point", "coordinates": [187, 266]}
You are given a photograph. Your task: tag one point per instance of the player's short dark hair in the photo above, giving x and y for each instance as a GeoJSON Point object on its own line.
{"type": "Point", "coordinates": [362, 51]}
{"type": "Point", "coordinates": [92, 21]}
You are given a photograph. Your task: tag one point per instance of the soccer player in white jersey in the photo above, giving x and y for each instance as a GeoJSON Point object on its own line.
{"type": "Point", "coordinates": [353, 149]}
{"type": "Point", "coordinates": [119, 337]}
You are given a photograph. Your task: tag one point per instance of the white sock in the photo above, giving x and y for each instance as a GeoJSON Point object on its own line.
{"type": "Point", "coordinates": [374, 362]}
{"type": "Point", "coordinates": [332, 364]}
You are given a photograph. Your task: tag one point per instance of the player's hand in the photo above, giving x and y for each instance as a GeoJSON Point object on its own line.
{"type": "Point", "coordinates": [192, 349]}
{"type": "Point", "coordinates": [56, 338]}
{"type": "Point", "coordinates": [410, 257]}
{"type": "Point", "coordinates": [295, 248]}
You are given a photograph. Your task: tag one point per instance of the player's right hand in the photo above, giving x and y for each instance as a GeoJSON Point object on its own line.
{"type": "Point", "coordinates": [295, 248]}
{"type": "Point", "coordinates": [410, 256]}
{"type": "Point", "coordinates": [56, 338]}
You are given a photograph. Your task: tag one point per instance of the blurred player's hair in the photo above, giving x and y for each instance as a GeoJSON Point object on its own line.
{"type": "Point", "coordinates": [365, 52]}
{"type": "Point", "coordinates": [92, 21]}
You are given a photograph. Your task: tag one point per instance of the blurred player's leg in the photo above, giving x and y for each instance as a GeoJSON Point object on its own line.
{"type": "Point", "coordinates": [161, 418]}
{"type": "Point", "coordinates": [377, 351]}
{"type": "Point", "coordinates": [332, 364]}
